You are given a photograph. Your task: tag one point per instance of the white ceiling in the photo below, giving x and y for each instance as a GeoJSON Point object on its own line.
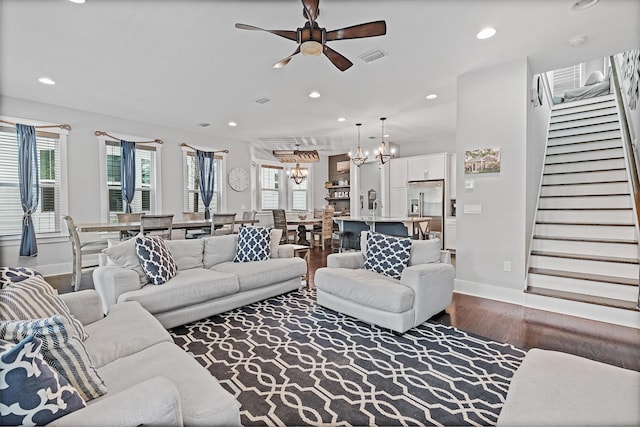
{"type": "Point", "coordinates": [181, 63]}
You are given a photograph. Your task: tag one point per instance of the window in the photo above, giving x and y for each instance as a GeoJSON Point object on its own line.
{"type": "Point", "coordinates": [270, 177]}
{"type": "Point", "coordinates": [144, 197]}
{"type": "Point", "coordinates": [47, 217]}
{"type": "Point", "coordinates": [299, 193]}
{"type": "Point", "coordinates": [194, 204]}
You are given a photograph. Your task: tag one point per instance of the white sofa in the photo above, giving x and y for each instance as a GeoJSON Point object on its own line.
{"type": "Point", "coordinates": [150, 380]}
{"type": "Point", "coordinates": [424, 289]}
{"type": "Point", "coordinates": [559, 389]}
{"type": "Point", "coordinates": [208, 281]}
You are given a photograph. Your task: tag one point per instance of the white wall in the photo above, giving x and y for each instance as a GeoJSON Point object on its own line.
{"type": "Point", "coordinates": [492, 112]}
{"type": "Point", "coordinates": [83, 168]}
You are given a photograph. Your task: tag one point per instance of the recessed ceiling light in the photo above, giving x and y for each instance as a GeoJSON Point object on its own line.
{"type": "Point", "coordinates": [486, 33]}
{"type": "Point", "coordinates": [341, 119]}
{"type": "Point", "coordinates": [583, 4]}
{"type": "Point", "coordinates": [77, 1]}
{"type": "Point", "coordinates": [431, 96]}
{"type": "Point", "coordinates": [204, 125]}
{"type": "Point", "coordinates": [232, 124]}
{"type": "Point", "coordinates": [314, 94]}
{"type": "Point", "coordinates": [46, 81]}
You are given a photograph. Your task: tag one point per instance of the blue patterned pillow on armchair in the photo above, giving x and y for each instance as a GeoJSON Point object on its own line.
{"type": "Point", "coordinates": [254, 244]}
{"type": "Point", "coordinates": [32, 392]}
{"type": "Point", "coordinates": [388, 255]}
{"type": "Point", "coordinates": [156, 260]}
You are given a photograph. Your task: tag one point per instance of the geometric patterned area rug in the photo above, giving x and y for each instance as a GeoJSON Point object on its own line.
{"type": "Point", "coordinates": [291, 362]}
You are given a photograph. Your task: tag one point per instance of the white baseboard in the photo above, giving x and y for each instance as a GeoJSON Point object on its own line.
{"type": "Point", "coordinates": [598, 313]}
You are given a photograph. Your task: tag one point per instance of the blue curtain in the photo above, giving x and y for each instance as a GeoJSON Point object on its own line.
{"type": "Point", "coordinates": [205, 161]}
{"type": "Point", "coordinates": [128, 172]}
{"type": "Point", "coordinates": [29, 182]}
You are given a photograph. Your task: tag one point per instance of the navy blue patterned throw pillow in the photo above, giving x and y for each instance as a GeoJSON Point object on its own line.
{"type": "Point", "coordinates": [388, 255]}
{"type": "Point", "coordinates": [254, 244]}
{"type": "Point", "coordinates": [9, 275]}
{"type": "Point", "coordinates": [156, 260]}
{"type": "Point", "coordinates": [32, 392]}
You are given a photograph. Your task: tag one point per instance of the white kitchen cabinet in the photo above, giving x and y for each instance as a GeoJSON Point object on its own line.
{"type": "Point", "coordinates": [432, 166]}
{"type": "Point", "coordinates": [398, 172]}
{"type": "Point", "coordinates": [450, 233]}
{"type": "Point", "coordinates": [398, 204]}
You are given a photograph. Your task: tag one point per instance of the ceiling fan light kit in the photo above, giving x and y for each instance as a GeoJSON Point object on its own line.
{"type": "Point", "coordinates": [312, 38]}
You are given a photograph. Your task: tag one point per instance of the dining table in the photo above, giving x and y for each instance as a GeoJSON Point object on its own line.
{"type": "Point", "coordinates": [302, 227]}
{"type": "Point", "coordinates": [106, 227]}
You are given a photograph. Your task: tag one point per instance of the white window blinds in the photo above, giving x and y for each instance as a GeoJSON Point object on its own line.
{"type": "Point", "coordinates": [194, 203]}
{"type": "Point", "coordinates": [270, 187]}
{"type": "Point", "coordinates": [144, 199]}
{"type": "Point", "coordinates": [47, 217]}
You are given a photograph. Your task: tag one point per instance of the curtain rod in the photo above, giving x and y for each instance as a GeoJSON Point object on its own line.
{"type": "Point", "coordinates": [65, 126]}
{"type": "Point", "coordinates": [155, 141]}
{"type": "Point", "coordinates": [208, 151]}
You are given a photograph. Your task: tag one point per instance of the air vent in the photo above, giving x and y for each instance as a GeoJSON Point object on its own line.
{"type": "Point", "coordinates": [262, 100]}
{"type": "Point", "coordinates": [373, 55]}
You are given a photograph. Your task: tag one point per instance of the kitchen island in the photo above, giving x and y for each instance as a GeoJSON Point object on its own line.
{"type": "Point", "coordinates": [393, 226]}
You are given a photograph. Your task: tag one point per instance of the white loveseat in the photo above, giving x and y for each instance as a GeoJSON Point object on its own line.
{"type": "Point", "coordinates": [208, 282]}
{"type": "Point", "coordinates": [424, 289]}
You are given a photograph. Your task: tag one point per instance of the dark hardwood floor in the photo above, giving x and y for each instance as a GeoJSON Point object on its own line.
{"type": "Point", "coordinates": [527, 328]}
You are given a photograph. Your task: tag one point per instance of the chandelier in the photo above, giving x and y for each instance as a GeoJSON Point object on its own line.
{"type": "Point", "coordinates": [358, 159]}
{"type": "Point", "coordinates": [382, 154]}
{"type": "Point", "coordinates": [298, 176]}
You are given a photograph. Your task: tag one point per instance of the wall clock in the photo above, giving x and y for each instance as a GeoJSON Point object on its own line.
{"type": "Point", "coordinates": [239, 179]}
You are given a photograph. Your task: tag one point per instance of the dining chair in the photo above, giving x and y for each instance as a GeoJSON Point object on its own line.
{"type": "Point", "coordinates": [423, 230]}
{"type": "Point", "coordinates": [195, 233]}
{"type": "Point", "coordinates": [161, 225]}
{"type": "Point", "coordinates": [326, 232]}
{"type": "Point", "coordinates": [280, 221]}
{"type": "Point", "coordinates": [78, 249]}
{"type": "Point", "coordinates": [249, 214]}
{"type": "Point", "coordinates": [128, 217]}
{"type": "Point", "coordinates": [317, 214]}
{"type": "Point", "coordinates": [224, 223]}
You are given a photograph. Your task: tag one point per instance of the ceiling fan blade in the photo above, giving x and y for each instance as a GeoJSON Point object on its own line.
{"type": "Point", "coordinates": [311, 9]}
{"type": "Point", "coordinates": [338, 60]}
{"type": "Point", "coordinates": [370, 29]}
{"type": "Point", "coordinates": [291, 35]}
{"type": "Point", "coordinates": [286, 60]}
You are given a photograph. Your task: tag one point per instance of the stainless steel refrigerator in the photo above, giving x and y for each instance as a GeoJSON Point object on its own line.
{"type": "Point", "coordinates": [426, 198]}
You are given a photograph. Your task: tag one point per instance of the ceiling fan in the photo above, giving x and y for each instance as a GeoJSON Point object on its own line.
{"type": "Point", "coordinates": [312, 38]}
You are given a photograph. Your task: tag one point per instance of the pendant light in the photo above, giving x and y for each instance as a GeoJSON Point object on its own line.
{"type": "Point", "coordinates": [382, 154]}
{"type": "Point", "coordinates": [358, 159]}
{"type": "Point", "coordinates": [298, 176]}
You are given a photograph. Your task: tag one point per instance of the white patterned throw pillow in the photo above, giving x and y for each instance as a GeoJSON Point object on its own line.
{"type": "Point", "coordinates": [62, 350]}
{"type": "Point", "coordinates": [254, 244]}
{"type": "Point", "coordinates": [156, 260]}
{"type": "Point", "coordinates": [32, 392]}
{"type": "Point", "coordinates": [388, 255]}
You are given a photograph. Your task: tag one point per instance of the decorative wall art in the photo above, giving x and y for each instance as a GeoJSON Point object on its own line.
{"type": "Point", "coordinates": [631, 75]}
{"type": "Point", "coordinates": [485, 160]}
{"type": "Point", "coordinates": [343, 167]}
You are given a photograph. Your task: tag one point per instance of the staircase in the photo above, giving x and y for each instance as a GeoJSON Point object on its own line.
{"type": "Point", "coordinates": [585, 244]}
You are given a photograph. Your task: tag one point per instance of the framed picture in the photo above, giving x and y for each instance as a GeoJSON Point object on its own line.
{"type": "Point", "coordinates": [486, 160]}
{"type": "Point", "coordinates": [343, 167]}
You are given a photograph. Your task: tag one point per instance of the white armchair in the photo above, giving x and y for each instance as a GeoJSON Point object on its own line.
{"type": "Point", "coordinates": [424, 289]}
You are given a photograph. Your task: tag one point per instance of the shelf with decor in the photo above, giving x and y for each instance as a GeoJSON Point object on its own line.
{"type": "Point", "coordinates": [330, 187]}
{"type": "Point", "coordinates": [337, 198]}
